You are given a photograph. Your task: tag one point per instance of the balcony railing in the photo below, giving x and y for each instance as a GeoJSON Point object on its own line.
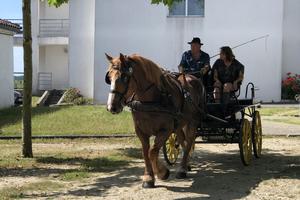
{"type": "Point", "coordinates": [54, 28]}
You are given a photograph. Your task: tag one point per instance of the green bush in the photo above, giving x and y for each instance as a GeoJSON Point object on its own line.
{"type": "Point", "coordinates": [72, 95]}
{"type": "Point", "coordinates": [82, 101]}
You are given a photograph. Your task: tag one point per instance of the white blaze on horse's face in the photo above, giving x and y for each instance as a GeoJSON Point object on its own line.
{"type": "Point", "coordinates": [114, 104]}
{"type": "Point", "coordinates": [111, 96]}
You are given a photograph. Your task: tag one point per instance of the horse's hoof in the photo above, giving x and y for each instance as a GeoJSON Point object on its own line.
{"type": "Point", "coordinates": [166, 176]}
{"type": "Point", "coordinates": [181, 175]}
{"type": "Point", "coordinates": [189, 168]}
{"type": "Point", "coordinates": [148, 184]}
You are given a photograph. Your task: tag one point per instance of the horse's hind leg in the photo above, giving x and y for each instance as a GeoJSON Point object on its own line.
{"type": "Point", "coordinates": [182, 142]}
{"type": "Point", "coordinates": [189, 141]}
{"type": "Point", "coordinates": [159, 168]}
{"type": "Point", "coordinates": [148, 178]}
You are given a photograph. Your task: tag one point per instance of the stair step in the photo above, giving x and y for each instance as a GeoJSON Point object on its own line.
{"type": "Point", "coordinates": [54, 97]}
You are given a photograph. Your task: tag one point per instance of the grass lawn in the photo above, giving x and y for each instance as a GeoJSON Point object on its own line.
{"type": "Point", "coordinates": [287, 120]}
{"type": "Point", "coordinates": [67, 120]}
{"type": "Point", "coordinates": [80, 120]}
{"type": "Point", "coordinates": [283, 111]}
{"type": "Point", "coordinates": [288, 115]}
{"type": "Point", "coordinates": [60, 164]}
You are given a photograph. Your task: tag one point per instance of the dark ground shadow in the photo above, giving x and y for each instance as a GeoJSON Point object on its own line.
{"type": "Point", "coordinates": [217, 176]}
{"type": "Point", "coordinates": [132, 152]}
{"type": "Point", "coordinates": [222, 176]}
{"type": "Point", "coordinates": [102, 164]}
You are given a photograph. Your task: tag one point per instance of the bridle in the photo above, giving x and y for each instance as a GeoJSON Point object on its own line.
{"type": "Point", "coordinates": [124, 79]}
{"type": "Point", "coordinates": [126, 76]}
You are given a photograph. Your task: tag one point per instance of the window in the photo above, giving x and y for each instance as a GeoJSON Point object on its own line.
{"type": "Point", "coordinates": [187, 8]}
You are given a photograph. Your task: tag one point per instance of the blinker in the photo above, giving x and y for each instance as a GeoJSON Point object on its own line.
{"type": "Point", "coordinates": [107, 79]}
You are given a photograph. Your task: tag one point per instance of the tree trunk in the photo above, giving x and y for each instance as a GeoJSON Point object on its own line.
{"type": "Point", "coordinates": [27, 93]}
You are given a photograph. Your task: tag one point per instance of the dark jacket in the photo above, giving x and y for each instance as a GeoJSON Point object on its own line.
{"type": "Point", "coordinates": [228, 74]}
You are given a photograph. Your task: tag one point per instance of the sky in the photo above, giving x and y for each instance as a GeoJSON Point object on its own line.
{"type": "Point", "coordinates": [12, 9]}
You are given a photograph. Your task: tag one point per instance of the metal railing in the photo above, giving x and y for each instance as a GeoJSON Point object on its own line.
{"type": "Point", "coordinates": [44, 81]}
{"type": "Point", "coordinates": [54, 28]}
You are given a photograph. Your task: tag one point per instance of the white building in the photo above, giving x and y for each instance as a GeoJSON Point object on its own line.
{"type": "Point", "coordinates": [50, 30]}
{"type": "Point", "coordinates": [7, 30]}
{"type": "Point", "coordinates": [136, 26]}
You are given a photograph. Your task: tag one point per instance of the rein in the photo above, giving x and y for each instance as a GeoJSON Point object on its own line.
{"type": "Point", "coordinates": [156, 107]}
{"type": "Point", "coordinates": [127, 103]}
{"type": "Point", "coordinates": [164, 106]}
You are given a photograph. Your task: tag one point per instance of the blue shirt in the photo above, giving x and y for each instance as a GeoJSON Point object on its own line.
{"type": "Point", "coordinates": [190, 65]}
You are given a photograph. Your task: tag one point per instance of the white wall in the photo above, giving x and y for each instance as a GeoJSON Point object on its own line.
{"type": "Point", "coordinates": [81, 46]}
{"type": "Point", "coordinates": [6, 71]}
{"type": "Point", "coordinates": [35, 44]}
{"type": "Point", "coordinates": [291, 37]}
{"type": "Point", "coordinates": [139, 27]}
{"type": "Point", "coordinates": [54, 59]}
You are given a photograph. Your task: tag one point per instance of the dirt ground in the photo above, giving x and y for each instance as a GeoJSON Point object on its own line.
{"type": "Point", "coordinates": [217, 173]}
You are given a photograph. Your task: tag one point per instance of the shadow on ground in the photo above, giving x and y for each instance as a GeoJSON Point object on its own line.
{"type": "Point", "coordinates": [220, 176]}
{"type": "Point", "coordinates": [213, 175]}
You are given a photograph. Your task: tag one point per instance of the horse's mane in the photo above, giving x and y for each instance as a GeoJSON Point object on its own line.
{"type": "Point", "coordinates": [160, 77]}
{"type": "Point", "coordinates": [152, 71]}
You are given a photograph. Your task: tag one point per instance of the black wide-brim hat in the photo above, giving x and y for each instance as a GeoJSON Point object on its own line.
{"type": "Point", "coordinates": [195, 40]}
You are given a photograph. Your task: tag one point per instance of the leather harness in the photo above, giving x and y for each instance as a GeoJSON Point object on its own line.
{"type": "Point", "coordinates": [157, 107]}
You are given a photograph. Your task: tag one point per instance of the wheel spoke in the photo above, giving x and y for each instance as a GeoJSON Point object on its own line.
{"type": "Point", "coordinates": [257, 134]}
{"type": "Point", "coordinates": [245, 142]}
{"type": "Point", "coordinates": [171, 151]}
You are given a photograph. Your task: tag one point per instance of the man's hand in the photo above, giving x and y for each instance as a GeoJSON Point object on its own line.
{"type": "Point", "coordinates": [204, 70]}
{"type": "Point", "coordinates": [180, 69]}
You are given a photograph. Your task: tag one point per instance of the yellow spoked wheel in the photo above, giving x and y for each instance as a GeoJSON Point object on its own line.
{"type": "Point", "coordinates": [245, 142]}
{"type": "Point", "coordinates": [256, 134]}
{"type": "Point", "coordinates": [171, 149]}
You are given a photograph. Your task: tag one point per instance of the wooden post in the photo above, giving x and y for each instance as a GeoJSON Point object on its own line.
{"type": "Point", "coordinates": [27, 91]}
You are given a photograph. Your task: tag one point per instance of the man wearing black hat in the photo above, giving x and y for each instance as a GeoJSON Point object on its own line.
{"type": "Point", "coordinates": [195, 61]}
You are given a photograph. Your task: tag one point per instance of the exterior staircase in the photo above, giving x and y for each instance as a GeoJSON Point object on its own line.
{"type": "Point", "coordinates": [54, 97]}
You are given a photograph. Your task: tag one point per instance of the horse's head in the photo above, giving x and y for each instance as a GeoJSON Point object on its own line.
{"type": "Point", "coordinates": [118, 77]}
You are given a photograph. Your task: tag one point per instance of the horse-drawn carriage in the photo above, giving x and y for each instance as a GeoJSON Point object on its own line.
{"type": "Point", "coordinates": [162, 104]}
{"type": "Point", "coordinates": [242, 125]}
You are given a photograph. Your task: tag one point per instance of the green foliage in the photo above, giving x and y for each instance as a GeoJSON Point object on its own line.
{"type": "Point", "coordinates": [168, 3]}
{"type": "Point", "coordinates": [57, 3]}
{"type": "Point", "coordinates": [18, 84]}
{"type": "Point", "coordinates": [165, 2]}
{"type": "Point", "coordinates": [73, 95]}
{"type": "Point", "coordinates": [83, 101]}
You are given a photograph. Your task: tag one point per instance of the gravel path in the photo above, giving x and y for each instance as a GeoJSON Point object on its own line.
{"type": "Point", "coordinates": [217, 173]}
{"type": "Point", "coordinates": [278, 128]}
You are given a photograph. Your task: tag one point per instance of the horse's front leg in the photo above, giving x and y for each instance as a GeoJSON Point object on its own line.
{"type": "Point", "coordinates": [189, 132]}
{"type": "Point", "coordinates": [159, 168]}
{"type": "Point", "coordinates": [148, 178]}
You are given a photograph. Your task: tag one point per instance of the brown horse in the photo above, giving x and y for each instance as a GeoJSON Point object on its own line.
{"type": "Point", "coordinates": [161, 105]}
